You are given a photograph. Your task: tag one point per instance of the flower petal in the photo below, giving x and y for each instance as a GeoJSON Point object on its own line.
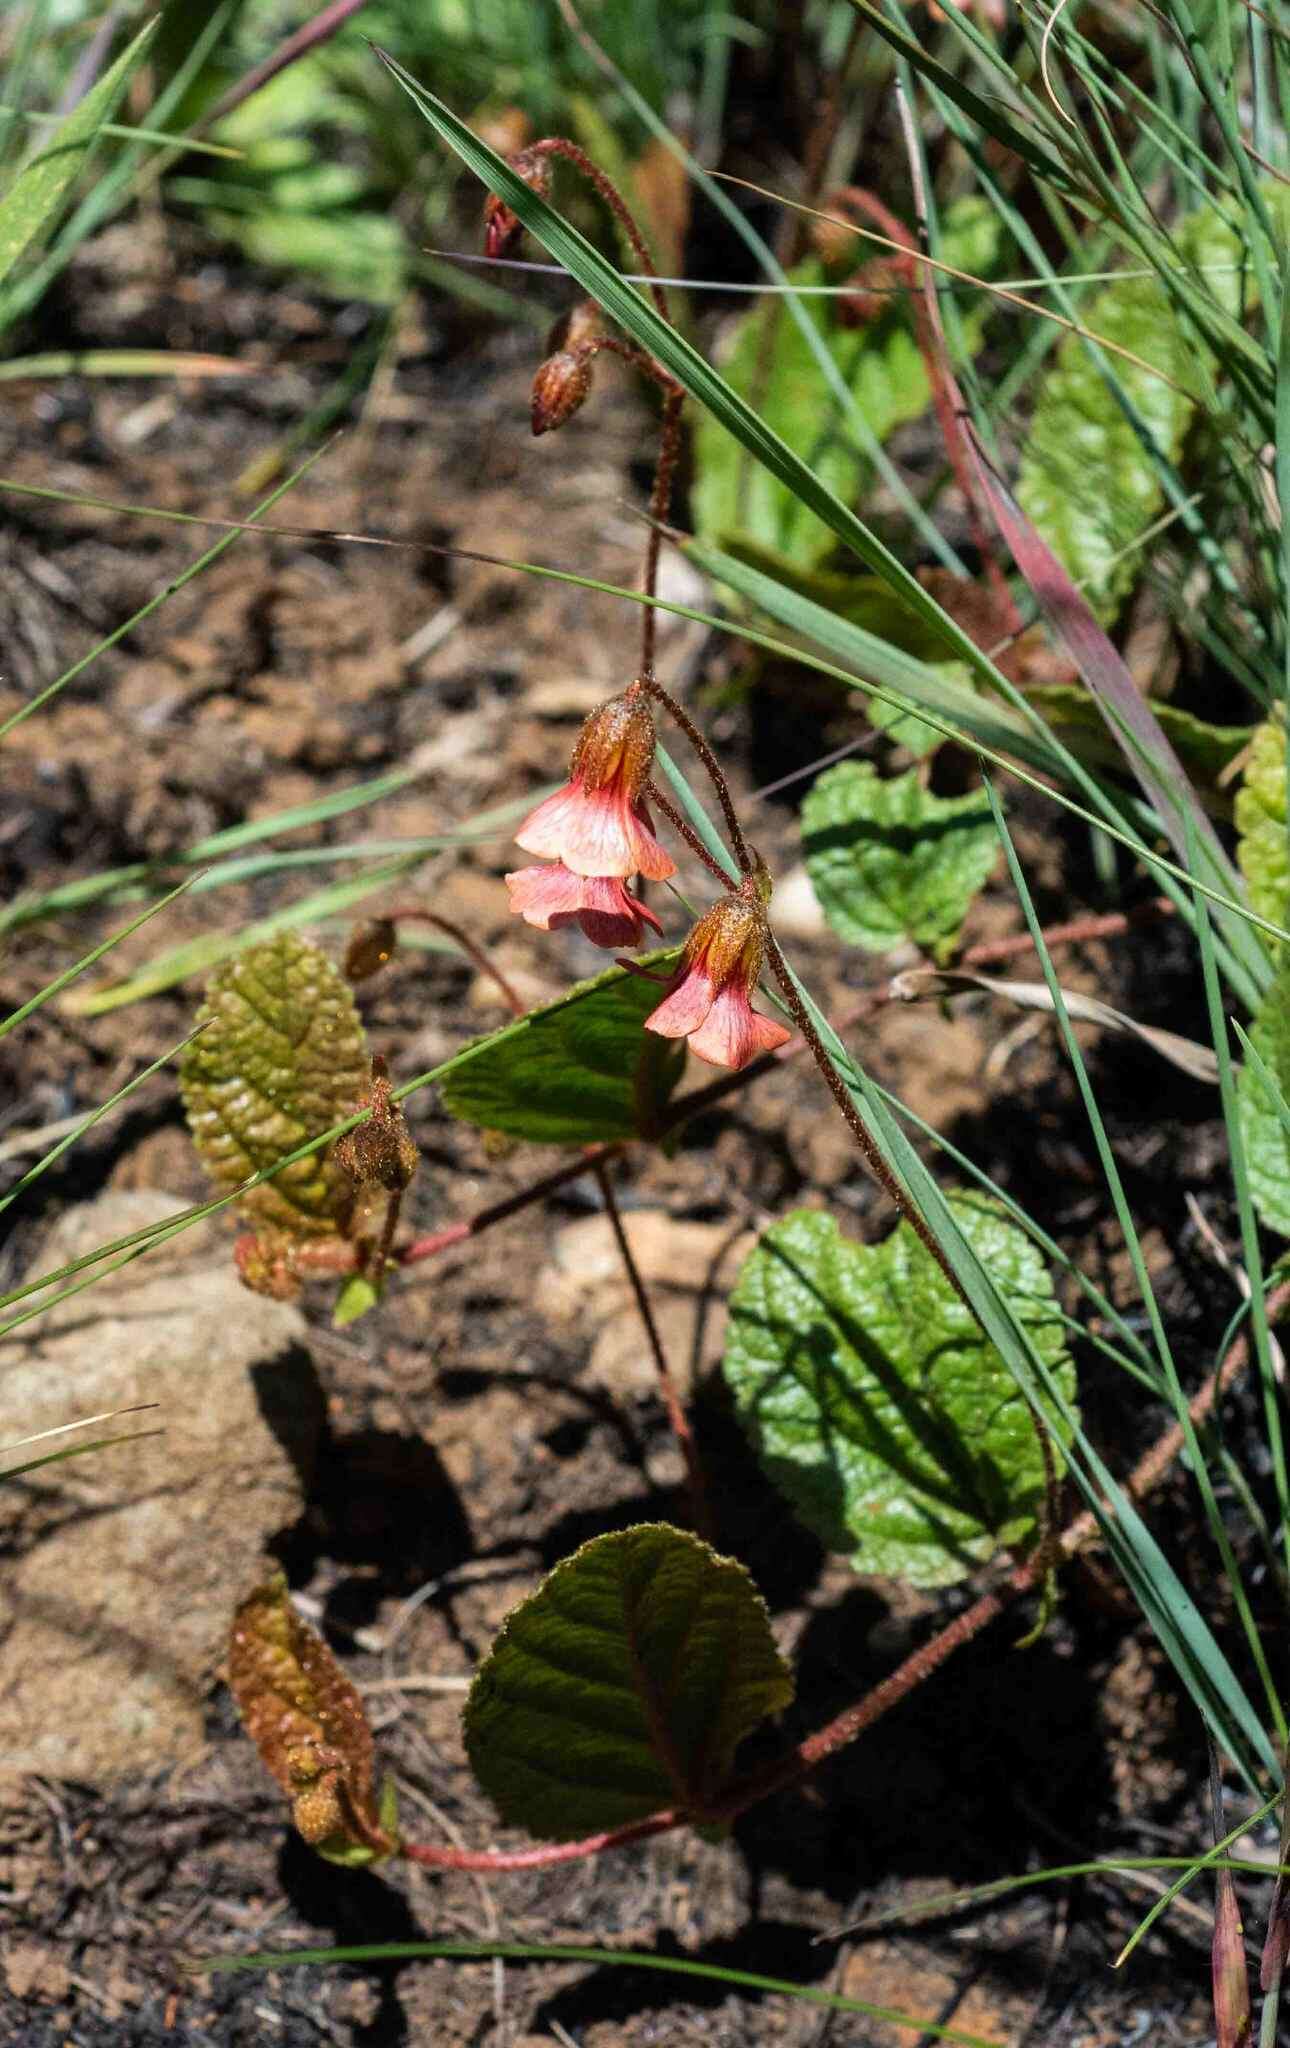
{"type": "Point", "coordinates": [595, 832]}
{"type": "Point", "coordinates": [685, 1006]}
{"type": "Point", "coordinates": [541, 895]}
{"type": "Point", "coordinates": [610, 915]}
{"type": "Point", "coordinates": [733, 1032]}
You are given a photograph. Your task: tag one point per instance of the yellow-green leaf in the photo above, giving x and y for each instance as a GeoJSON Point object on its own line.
{"type": "Point", "coordinates": [282, 1057]}
{"type": "Point", "coordinates": [1263, 846]}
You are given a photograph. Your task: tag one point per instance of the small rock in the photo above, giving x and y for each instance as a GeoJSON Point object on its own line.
{"type": "Point", "coordinates": [32, 1970]}
{"type": "Point", "coordinates": [688, 1269]}
{"type": "Point", "coordinates": [796, 907]}
{"type": "Point", "coordinates": [128, 1561]}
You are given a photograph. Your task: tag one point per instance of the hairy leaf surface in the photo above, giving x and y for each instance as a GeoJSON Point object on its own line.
{"type": "Point", "coordinates": [889, 861]}
{"type": "Point", "coordinates": [1263, 1131]}
{"type": "Point", "coordinates": [281, 1059]}
{"type": "Point", "coordinates": [308, 1723]}
{"type": "Point", "coordinates": [1263, 847]}
{"type": "Point", "coordinates": [579, 1071]}
{"type": "Point", "coordinates": [623, 1686]}
{"type": "Point", "coordinates": [1086, 480]}
{"type": "Point", "coordinates": [875, 1402]}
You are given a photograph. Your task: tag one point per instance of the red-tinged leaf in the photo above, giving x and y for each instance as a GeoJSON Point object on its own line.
{"type": "Point", "coordinates": [1133, 724]}
{"type": "Point", "coordinates": [308, 1723]}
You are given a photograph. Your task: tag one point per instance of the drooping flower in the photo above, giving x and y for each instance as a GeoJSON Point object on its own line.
{"type": "Point", "coordinates": [709, 1002]}
{"type": "Point", "coordinates": [551, 895]}
{"type": "Point", "coordinates": [598, 823]}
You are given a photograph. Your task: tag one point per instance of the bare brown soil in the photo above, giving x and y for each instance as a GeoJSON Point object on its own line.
{"type": "Point", "coordinates": [479, 1430]}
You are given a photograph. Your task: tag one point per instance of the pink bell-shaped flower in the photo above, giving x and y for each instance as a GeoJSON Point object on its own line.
{"type": "Point", "coordinates": [598, 823]}
{"type": "Point", "coordinates": [709, 1002]}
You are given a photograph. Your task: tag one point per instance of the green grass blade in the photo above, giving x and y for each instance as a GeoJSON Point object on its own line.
{"type": "Point", "coordinates": [198, 956]}
{"type": "Point", "coordinates": [69, 974]}
{"type": "Point", "coordinates": [212, 554]}
{"type": "Point", "coordinates": [604, 1958]}
{"type": "Point", "coordinates": [40, 185]}
{"type": "Point", "coordinates": [1137, 1259]}
{"type": "Point", "coordinates": [87, 1123]}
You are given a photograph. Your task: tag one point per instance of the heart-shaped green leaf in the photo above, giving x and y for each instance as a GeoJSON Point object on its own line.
{"type": "Point", "coordinates": [1263, 1131]}
{"type": "Point", "coordinates": [623, 1686]}
{"type": "Point", "coordinates": [875, 1401]}
{"type": "Point", "coordinates": [889, 861]}
{"type": "Point", "coordinates": [280, 1058]}
{"type": "Point", "coordinates": [579, 1071]}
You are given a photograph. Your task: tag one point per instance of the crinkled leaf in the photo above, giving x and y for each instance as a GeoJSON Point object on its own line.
{"type": "Point", "coordinates": [281, 1059]}
{"type": "Point", "coordinates": [624, 1685]}
{"type": "Point", "coordinates": [1264, 1135]}
{"type": "Point", "coordinates": [875, 1402]}
{"type": "Point", "coordinates": [889, 861]}
{"type": "Point", "coordinates": [35, 193]}
{"type": "Point", "coordinates": [579, 1071]}
{"type": "Point", "coordinates": [308, 1723]}
{"type": "Point", "coordinates": [1263, 847]}
{"type": "Point", "coordinates": [880, 364]}
{"type": "Point", "coordinates": [1086, 481]}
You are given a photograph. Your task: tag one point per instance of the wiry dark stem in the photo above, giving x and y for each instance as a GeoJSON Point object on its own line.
{"type": "Point", "coordinates": [739, 845]}
{"type": "Point", "coordinates": [412, 913]}
{"type": "Point", "coordinates": [676, 1415]}
{"type": "Point", "coordinates": [660, 504]}
{"type": "Point", "coordinates": [560, 145]}
{"type": "Point", "coordinates": [687, 832]}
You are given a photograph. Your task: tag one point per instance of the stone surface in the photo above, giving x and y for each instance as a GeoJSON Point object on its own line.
{"type": "Point", "coordinates": [688, 1270]}
{"type": "Point", "coordinates": [127, 1563]}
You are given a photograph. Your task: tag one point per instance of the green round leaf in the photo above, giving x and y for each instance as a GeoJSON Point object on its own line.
{"type": "Point", "coordinates": [890, 862]}
{"type": "Point", "coordinates": [1263, 1132]}
{"type": "Point", "coordinates": [579, 1071]}
{"type": "Point", "coordinates": [282, 1057]}
{"type": "Point", "coordinates": [876, 1403]}
{"type": "Point", "coordinates": [623, 1686]}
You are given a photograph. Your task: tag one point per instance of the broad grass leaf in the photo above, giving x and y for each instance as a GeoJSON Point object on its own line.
{"type": "Point", "coordinates": [281, 1059]}
{"type": "Point", "coordinates": [1262, 845]}
{"type": "Point", "coordinates": [35, 193]}
{"type": "Point", "coordinates": [579, 1071]}
{"type": "Point", "coordinates": [623, 1686]}
{"type": "Point", "coordinates": [1205, 750]}
{"type": "Point", "coordinates": [889, 861]}
{"type": "Point", "coordinates": [876, 1403]}
{"type": "Point", "coordinates": [1086, 481]}
{"type": "Point", "coordinates": [1264, 1134]}
{"type": "Point", "coordinates": [770, 364]}
{"type": "Point", "coordinates": [308, 1723]}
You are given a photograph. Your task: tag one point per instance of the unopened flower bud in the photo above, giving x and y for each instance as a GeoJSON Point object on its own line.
{"type": "Point", "coordinates": [371, 946]}
{"type": "Point", "coordinates": [559, 388]}
{"type": "Point", "coordinates": [502, 227]}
